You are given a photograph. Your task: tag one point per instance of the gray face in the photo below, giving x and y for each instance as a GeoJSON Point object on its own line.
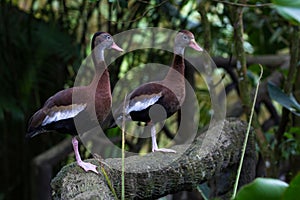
{"type": "Point", "coordinates": [105, 40]}
{"type": "Point", "coordinates": [183, 40]}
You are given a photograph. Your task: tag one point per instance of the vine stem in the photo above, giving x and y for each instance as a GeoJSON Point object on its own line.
{"type": "Point", "coordinates": [244, 5]}
{"type": "Point", "coordinates": [123, 151]}
{"type": "Point", "coordinates": [109, 182]}
{"type": "Point", "coordinates": [246, 137]}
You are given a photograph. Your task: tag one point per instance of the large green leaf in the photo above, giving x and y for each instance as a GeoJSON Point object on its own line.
{"type": "Point", "coordinates": [293, 190]}
{"type": "Point", "coordinates": [289, 9]}
{"type": "Point", "coordinates": [289, 102]}
{"type": "Point", "coordinates": [262, 188]}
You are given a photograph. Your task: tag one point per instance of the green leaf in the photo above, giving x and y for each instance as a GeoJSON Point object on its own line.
{"type": "Point", "coordinates": [289, 9]}
{"type": "Point", "coordinates": [288, 3]}
{"type": "Point", "coordinates": [293, 191]}
{"type": "Point", "coordinates": [262, 188]}
{"type": "Point", "coordinates": [294, 130]}
{"type": "Point", "coordinates": [289, 102]}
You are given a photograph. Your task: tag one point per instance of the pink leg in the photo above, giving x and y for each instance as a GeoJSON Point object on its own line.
{"type": "Point", "coordinates": [154, 143]}
{"type": "Point", "coordinates": [86, 166]}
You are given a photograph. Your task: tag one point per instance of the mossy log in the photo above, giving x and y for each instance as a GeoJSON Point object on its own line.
{"type": "Point", "coordinates": [149, 177]}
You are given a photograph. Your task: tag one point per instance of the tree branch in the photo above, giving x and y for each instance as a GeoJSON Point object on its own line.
{"type": "Point", "coordinates": [272, 62]}
{"type": "Point", "coordinates": [149, 177]}
{"type": "Point", "coordinates": [243, 84]}
{"type": "Point", "coordinates": [288, 88]}
{"type": "Point", "coordinates": [202, 9]}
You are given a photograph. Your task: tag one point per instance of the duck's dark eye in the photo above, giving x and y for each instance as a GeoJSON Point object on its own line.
{"type": "Point", "coordinates": [108, 37]}
{"type": "Point", "coordinates": [185, 37]}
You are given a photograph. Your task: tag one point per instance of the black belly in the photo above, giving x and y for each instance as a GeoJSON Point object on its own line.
{"type": "Point", "coordinates": [157, 115]}
{"type": "Point", "coordinates": [68, 126]}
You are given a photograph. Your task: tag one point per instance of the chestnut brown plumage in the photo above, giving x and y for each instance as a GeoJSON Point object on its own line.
{"type": "Point", "coordinates": [168, 93]}
{"type": "Point", "coordinates": [59, 111]}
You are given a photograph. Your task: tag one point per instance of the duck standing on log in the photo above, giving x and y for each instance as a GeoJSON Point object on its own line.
{"type": "Point", "coordinates": [168, 93]}
{"type": "Point", "coordinates": [60, 110]}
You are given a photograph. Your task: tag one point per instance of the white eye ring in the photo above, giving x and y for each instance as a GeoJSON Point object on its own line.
{"type": "Point", "coordinates": [108, 37]}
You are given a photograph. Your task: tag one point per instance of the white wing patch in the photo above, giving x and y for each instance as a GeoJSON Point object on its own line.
{"type": "Point", "coordinates": [63, 112]}
{"type": "Point", "coordinates": [142, 102]}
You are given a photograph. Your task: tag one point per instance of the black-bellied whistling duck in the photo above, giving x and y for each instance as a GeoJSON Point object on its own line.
{"type": "Point", "coordinates": [168, 93]}
{"type": "Point", "coordinates": [60, 110]}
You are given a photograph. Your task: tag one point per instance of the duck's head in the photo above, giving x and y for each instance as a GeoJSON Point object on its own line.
{"type": "Point", "coordinates": [184, 39]}
{"type": "Point", "coordinates": [105, 41]}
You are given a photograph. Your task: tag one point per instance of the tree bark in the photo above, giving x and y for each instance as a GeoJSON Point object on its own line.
{"type": "Point", "coordinates": [158, 174]}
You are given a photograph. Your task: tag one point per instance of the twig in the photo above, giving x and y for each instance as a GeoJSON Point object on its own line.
{"type": "Point", "coordinates": [123, 150]}
{"type": "Point", "coordinates": [246, 137]}
{"type": "Point", "coordinates": [288, 88]}
{"type": "Point", "coordinates": [243, 5]}
{"type": "Point", "coordinates": [206, 25]}
{"type": "Point", "coordinates": [109, 182]}
{"type": "Point", "coordinates": [220, 81]}
{"type": "Point", "coordinates": [102, 165]}
{"type": "Point", "coordinates": [143, 15]}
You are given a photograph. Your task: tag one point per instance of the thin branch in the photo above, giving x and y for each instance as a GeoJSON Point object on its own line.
{"type": "Point", "coordinates": [244, 5]}
{"type": "Point", "coordinates": [146, 2]}
{"type": "Point", "coordinates": [246, 137]}
{"type": "Point", "coordinates": [288, 87]}
{"type": "Point", "coordinates": [123, 150]}
{"type": "Point", "coordinates": [140, 17]}
{"type": "Point", "coordinates": [206, 25]}
{"type": "Point", "coordinates": [243, 84]}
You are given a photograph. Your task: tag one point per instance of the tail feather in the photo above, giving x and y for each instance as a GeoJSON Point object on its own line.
{"type": "Point", "coordinates": [35, 132]}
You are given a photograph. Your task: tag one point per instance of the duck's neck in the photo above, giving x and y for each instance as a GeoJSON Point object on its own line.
{"type": "Point", "coordinates": [98, 54]}
{"type": "Point", "coordinates": [174, 80]}
{"type": "Point", "coordinates": [178, 50]}
{"type": "Point", "coordinates": [101, 81]}
{"type": "Point", "coordinates": [176, 72]}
